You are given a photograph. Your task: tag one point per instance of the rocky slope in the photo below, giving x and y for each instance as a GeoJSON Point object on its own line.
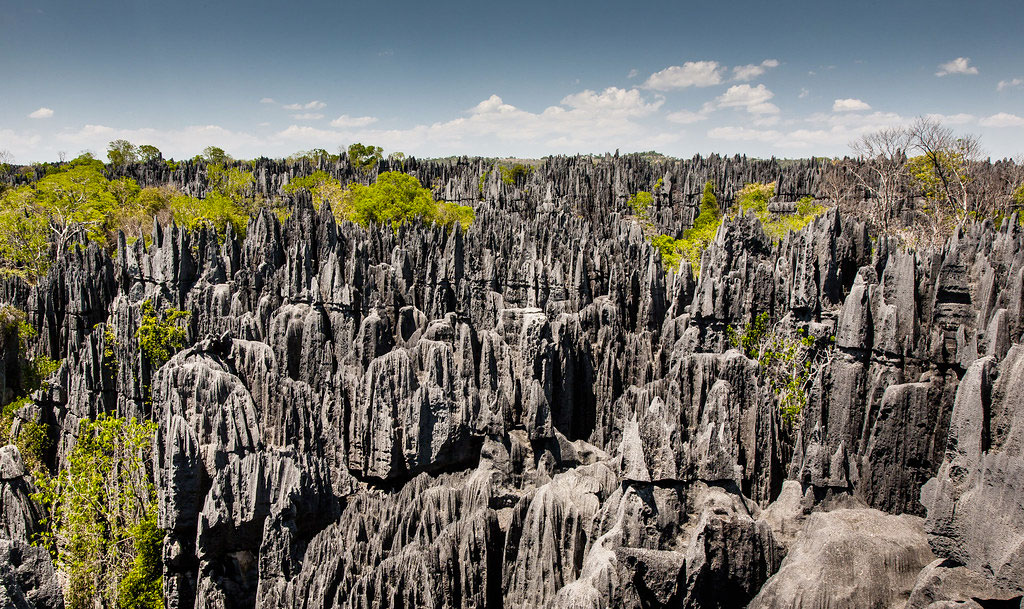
{"type": "Point", "coordinates": [534, 414]}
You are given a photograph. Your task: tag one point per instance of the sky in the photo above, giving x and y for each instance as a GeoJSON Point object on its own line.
{"type": "Point", "coordinates": [527, 79]}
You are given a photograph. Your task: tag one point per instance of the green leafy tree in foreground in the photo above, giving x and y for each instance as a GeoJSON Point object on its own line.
{"type": "Point", "coordinates": [102, 525]}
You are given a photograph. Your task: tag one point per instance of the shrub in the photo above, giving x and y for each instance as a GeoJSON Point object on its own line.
{"type": "Point", "coordinates": [671, 250]}
{"type": "Point", "coordinates": [640, 204]}
{"type": "Point", "coordinates": [160, 336]}
{"type": "Point", "coordinates": [516, 174]}
{"type": "Point", "coordinates": [696, 239]}
{"type": "Point", "coordinates": [787, 361]}
{"type": "Point", "coordinates": [323, 188]}
{"type": "Point", "coordinates": [755, 196]}
{"type": "Point", "coordinates": [102, 516]}
{"type": "Point", "coordinates": [215, 212]}
{"type": "Point", "coordinates": [33, 439]}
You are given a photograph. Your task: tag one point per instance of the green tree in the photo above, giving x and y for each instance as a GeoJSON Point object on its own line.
{"type": "Point", "coordinates": [215, 155]}
{"type": "Point", "coordinates": [788, 360]}
{"type": "Point", "coordinates": [516, 174]}
{"type": "Point", "coordinates": [76, 201]}
{"type": "Point", "coordinates": [396, 198]}
{"type": "Point", "coordinates": [102, 517]}
{"type": "Point", "coordinates": [122, 152]}
{"type": "Point", "coordinates": [696, 239]}
{"type": "Point", "coordinates": [24, 234]}
{"type": "Point", "coordinates": [149, 153]}
{"type": "Point", "coordinates": [363, 156]}
{"type": "Point", "coordinates": [324, 189]}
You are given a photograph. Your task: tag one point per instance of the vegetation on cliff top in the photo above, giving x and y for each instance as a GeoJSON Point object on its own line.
{"type": "Point", "coordinates": [40, 220]}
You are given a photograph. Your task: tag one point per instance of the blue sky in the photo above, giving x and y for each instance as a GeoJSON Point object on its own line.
{"type": "Point", "coordinates": [783, 78]}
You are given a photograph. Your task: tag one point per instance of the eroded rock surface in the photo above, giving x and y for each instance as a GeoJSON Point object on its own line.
{"type": "Point", "coordinates": [534, 413]}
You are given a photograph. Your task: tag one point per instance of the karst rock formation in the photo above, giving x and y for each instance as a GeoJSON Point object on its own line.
{"type": "Point", "coordinates": [534, 413]}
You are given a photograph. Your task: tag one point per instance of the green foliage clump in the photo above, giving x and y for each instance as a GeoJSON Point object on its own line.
{"type": "Point", "coordinates": [671, 250]}
{"type": "Point", "coordinates": [110, 347]}
{"type": "Point", "coordinates": [142, 585]}
{"type": "Point", "coordinates": [102, 517]}
{"type": "Point", "coordinates": [755, 196]}
{"type": "Point", "coordinates": [149, 153]}
{"type": "Point", "coordinates": [396, 198]}
{"type": "Point", "coordinates": [33, 438]}
{"type": "Point", "coordinates": [160, 336]}
{"type": "Point", "coordinates": [807, 209]}
{"type": "Point", "coordinates": [696, 239]}
{"type": "Point", "coordinates": [322, 187]}
{"type": "Point", "coordinates": [640, 204]}
{"type": "Point", "coordinates": [1018, 196]}
{"type": "Point", "coordinates": [214, 155]}
{"type": "Point", "coordinates": [229, 201]}
{"type": "Point", "coordinates": [363, 156]}
{"type": "Point", "coordinates": [215, 212]}
{"type": "Point", "coordinates": [516, 174]}
{"type": "Point", "coordinates": [787, 361]}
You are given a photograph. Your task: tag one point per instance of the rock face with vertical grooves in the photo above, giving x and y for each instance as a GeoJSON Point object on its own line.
{"type": "Point", "coordinates": [534, 413]}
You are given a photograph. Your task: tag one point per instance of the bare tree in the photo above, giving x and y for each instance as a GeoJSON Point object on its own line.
{"type": "Point", "coordinates": [884, 170]}
{"type": "Point", "coordinates": [947, 165]}
{"type": "Point", "coordinates": [838, 181]}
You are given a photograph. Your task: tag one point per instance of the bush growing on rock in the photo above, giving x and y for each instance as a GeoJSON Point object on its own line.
{"type": "Point", "coordinates": [160, 336]}
{"type": "Point", "coordinates": [788, 359]}
{"type": "Point", "coordinates": [102, 508]}
{"type": "Point", "coordinates": [394, 199]}
{"type": "Point", "coordinates": [33, 437]}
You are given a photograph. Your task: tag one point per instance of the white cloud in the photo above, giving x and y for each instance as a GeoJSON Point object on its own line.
{"type": "Point", "coordinates": [1012, 83]}
{"type": "Point", "coordinates": [953, 119]}
{"type": "Point", "coordinates": [752, 70]}
{"type": "Point", "coordinates": [739, 134]}
{"type": "Point", "coordinates": [821, 131]}
{"type": "Point", "coordinates": [960, 65]}
{"type": "Point", "coordinates": [41, 113]}
{"type": "Point", "coordinates": [627, 102]}
{"type": "Point", "coordinates": [633, 73]}
{"type": "Point", "coordinates": [690, 74]}
{"type": "Point", "coordinates": [353, 121]}
{"type": "Point", "coordinates": [685, 117]}
{"type": "Point", "coordinates": [753, 99]}
{"type": "Point", "coordinates": [584, 121]}
{"type": "Point", "coordinates": [850, 105]}
{"type": "Point", "coordinates": [804, 92]}
{"type": "Point", "coordinates": [268, 100]}
{"type": "Point", "coordinates": [1002, 119]}
{"type": "Point", "coordinates": [308, 116]}
{"type": "Point", "coordinates": [313, 105]}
